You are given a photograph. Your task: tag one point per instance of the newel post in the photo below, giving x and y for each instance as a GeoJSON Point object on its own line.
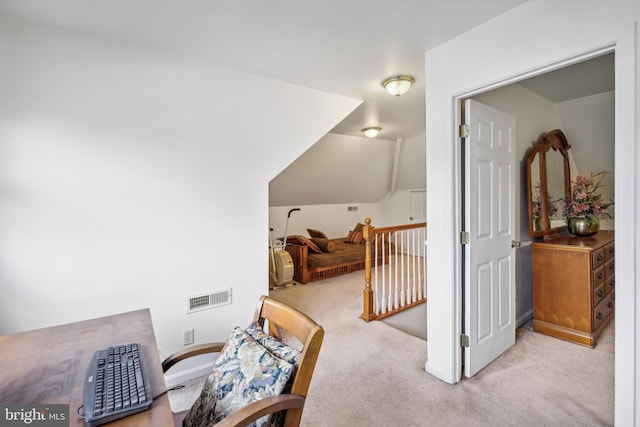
{"type": "Point", "coordinates": [367, 311]}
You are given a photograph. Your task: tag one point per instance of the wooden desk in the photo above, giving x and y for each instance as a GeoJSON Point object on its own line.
{"type": "Point", "coordinates": [47, 366]}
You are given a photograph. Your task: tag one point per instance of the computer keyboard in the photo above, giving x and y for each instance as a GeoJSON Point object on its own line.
{"type": "Point", "coordinates": [116, 385]}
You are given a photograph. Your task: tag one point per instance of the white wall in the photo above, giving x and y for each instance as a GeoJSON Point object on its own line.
{"type": "Point", "coordinates": [334, 220]}
{"type": "Point", "coordinates": [411, 168]}
{"type": "Point", "coordinates": [395, 207]}
{"type": "Point", "coordinates": [589, 124]}
{"type": "Point", "coordinates": [537, 34]}
{"type": "Point", "coordinates": [125, 170]}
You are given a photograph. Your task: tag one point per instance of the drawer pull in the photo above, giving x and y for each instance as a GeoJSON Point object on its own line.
{"type": "Point", "coordinates": [600, 293]}
{"type": "Point", "coordinates": [610, 304]}
{"type": "Point", "coordinates": [611, 250]}
{"type": "Point", "coordinates": [600, 275]}
{"type": "Point", "coordinates": [599, 316]}
{"type": "Point", "coordinates": [613, 283]}
{"type": "Point", "coordinates": [612, 267]}
{"type": "Point", "coordinates": [599, 257]}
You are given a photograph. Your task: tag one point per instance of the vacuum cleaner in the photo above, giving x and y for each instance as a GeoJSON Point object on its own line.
{"type": "Point", "coordinates": [281, 270]}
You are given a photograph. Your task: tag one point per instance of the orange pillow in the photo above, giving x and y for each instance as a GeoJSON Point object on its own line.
{"type": "Point", "coordinates": [302, 240]}
{"type": "Point", "coordinates": [355, 237]}
{"type": "Point", "coordinates": [316, 233]}
{"type": "Point", "coordinates": [325, 245]}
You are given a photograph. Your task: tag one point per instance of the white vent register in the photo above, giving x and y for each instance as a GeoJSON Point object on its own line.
{"type": "Point", "coordinates": [208, 300]}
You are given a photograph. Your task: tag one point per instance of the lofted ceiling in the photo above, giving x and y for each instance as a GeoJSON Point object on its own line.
{"type": "Point", "coordinates": [346, 47]}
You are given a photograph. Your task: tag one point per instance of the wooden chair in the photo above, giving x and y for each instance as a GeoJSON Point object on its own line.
{"type": "Point", "coordinates": [280, 317]}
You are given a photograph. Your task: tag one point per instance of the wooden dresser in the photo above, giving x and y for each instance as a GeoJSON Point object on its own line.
{"type": "Point", "coordinates": [573, 286]}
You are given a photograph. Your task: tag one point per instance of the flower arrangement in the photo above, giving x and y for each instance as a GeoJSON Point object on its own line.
{"type": "Point", "coordinates": [537, 204]}
{"type": "Point", "coordinates": [585, 201]}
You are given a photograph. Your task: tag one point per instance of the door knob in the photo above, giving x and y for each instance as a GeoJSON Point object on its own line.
{"type": "Point", "coordinates": [515, 244]}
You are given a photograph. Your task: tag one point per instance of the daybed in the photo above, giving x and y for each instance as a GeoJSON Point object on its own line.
{"type": "Point", "coordinates": [317, 257]}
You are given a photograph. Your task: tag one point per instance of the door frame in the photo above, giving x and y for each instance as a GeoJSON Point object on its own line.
{"type": "Point", "coordinates": [447, 77]}
{"type": "Point", "coordinates": [458, 179]}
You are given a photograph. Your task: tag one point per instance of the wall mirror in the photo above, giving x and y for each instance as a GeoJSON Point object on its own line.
{"type": "Point", "coordinates": [548, 183]}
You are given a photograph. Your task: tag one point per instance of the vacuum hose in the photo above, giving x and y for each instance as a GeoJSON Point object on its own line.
{"type": "Point", "coordinates": [292, 210]}
{"type": "Point", "coordinates": [287, 226]}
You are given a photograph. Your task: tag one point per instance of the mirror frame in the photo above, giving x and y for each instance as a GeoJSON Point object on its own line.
{"type": "Point", "coordinates": [552, 140]}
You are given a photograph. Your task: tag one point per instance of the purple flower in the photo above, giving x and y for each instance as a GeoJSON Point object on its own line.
{"type": "Point", "coordinates": [585, 200]}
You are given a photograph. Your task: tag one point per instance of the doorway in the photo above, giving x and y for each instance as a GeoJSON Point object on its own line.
{"type": "Point", "coordinates": [578, 98]}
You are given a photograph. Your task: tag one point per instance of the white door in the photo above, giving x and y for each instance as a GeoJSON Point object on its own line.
{"type": "Point", "coordinates": [417, 213]}
{"type": "Point", "coordinates": [489, 218]}
{"type": "Point", "coordinates": [417, 206]}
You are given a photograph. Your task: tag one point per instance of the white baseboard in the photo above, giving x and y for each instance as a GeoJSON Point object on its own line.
{"type": "Point", "coordinates": [439, 373]}
{"type": "Point", "coordinates": [525, 318]}
{"type": "Point", "coordinates": [180, 377]}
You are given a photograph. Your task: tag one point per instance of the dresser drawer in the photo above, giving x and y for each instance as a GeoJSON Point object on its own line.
{"type": "Point", "coordinates": [597, 258]}
{"type": "Point", "coordinates": [597, 277]}
{"type": "Point", "coordinates": [598, 294]}
{"type": "Point", "coordinates": [609, 251]}
{"type": "Point", "coordinates": [603, 310]}
{"type": "Point", "coordinates": [609, 284]}
{"type": "Point", "coordinates": [609, 267]}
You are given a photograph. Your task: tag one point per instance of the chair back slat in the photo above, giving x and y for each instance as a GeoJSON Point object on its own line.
{"type": "Point", "coordinates": [281, 317]}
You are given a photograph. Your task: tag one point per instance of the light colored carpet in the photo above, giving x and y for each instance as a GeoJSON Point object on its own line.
{"type": "Point", "coordinates": [412, 321]}
{"type": "Point", "coordinates": [373, 374]}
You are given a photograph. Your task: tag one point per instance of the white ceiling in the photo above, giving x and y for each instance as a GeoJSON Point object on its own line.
{"type": "Point", "coordinates": [591, 77]}
{"type": "Point", "coordinates": [346, 47]}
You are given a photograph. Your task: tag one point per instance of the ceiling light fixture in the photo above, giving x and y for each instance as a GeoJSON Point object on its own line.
{"type": "Point", "coordinates": [398, 85]}
{"type": "Point", "coordinates": [371, 132]}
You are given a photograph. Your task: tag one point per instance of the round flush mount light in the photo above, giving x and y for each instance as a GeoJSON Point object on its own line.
{"type": "Point", "coordinates": [371, 132]}
{"type": "Point", "coordinates": [398, 85]}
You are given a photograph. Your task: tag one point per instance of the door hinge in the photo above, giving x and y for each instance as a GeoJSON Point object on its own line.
{"type": "Point", "coordinates": [463, 131]}
{"type": "Point", "coordinates": [464, 237]}
{"type": "Point", "coordinates": [464, 340]}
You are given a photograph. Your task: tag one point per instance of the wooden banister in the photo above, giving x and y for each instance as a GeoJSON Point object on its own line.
{"type": "Point", "coordinates": [381, 237]}
{"type": "Point", "coordinates": [367, 312]}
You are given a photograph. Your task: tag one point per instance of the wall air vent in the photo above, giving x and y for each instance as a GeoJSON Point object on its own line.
{"type": "Point", "coordinates": [208, 300]}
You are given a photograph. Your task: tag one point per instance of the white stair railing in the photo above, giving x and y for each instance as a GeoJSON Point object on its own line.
{"type": "Point", "coordinates": [398, 264]}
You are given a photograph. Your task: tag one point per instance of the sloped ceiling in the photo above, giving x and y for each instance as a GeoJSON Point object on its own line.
{"type": "Point", "coordinates": [361, 168]}
{"type": "Point", "coordinates": [584, 94]}
{"type": "Point", "coordinates": [348, 169]}
{"type": "Point", "coordinates": [583, 79]}
{"type": "Point", "coordinates": [335, 170]}
{"type": "Point", "coordinates": [341, 47]}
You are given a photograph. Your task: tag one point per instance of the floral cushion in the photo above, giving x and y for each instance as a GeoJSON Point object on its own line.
{"type": "Point", "coordinates": [274, 345]}
{"type": "Point", "coordinates": [243, 373]}
{"type": "Point", "coordinates": [202, 410]}
{"type": "Point", "coordinates": [281, 350]}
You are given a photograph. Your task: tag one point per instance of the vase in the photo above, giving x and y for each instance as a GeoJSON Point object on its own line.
{"type": "Point", "coordinates": [583, 226]}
